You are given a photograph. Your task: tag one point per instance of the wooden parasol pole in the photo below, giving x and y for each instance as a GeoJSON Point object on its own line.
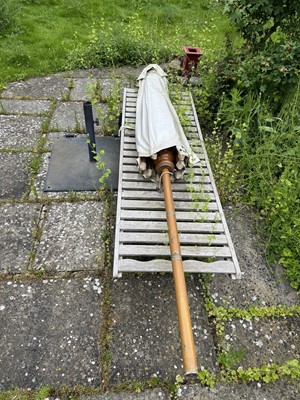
{"type": "Point", "coordinates": [164, 166]}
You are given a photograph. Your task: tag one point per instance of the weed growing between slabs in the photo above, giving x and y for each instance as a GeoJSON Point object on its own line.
{"type": "Point", "coordinates": [107, 106]}
{"type": "Point", "coordinates": [228, 360]}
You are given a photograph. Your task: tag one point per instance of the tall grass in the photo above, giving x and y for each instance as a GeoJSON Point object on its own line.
{"type": "Point", "coordinates": [40, 35]}
{"type": "Point", "coordinates": [273, 181]}
{"type": "Point", "coordinates": [267, 153]}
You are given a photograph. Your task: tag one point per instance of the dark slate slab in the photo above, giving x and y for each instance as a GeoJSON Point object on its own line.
{"type": "Point", "coordinates": [146, 340]}
{"type": "Point", "coordinates": [14, 175]}
{"type": "Point", "coordinates": [70, 167]}
{"type": "Point", "coordinates": [49, 332]}
{"type": "Point", "coordinates": [71, 237]}
{"type": "Point", "coordinates": [44, 88]}
{"type": "Point", "coordinates": [16, 241]}
{"type": "Point", "coordinates": [24, 106]}
{"type": "Point", "coordinates": [19, 131]}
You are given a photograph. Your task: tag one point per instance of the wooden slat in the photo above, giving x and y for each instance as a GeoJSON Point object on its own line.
{"type": "Point", "coordinates": [186, 251]}
{"type": "Point", "coordinates": [161, 226]}
{"type": "Point", "coordinates": [154, 215]}
{"type": "Point", "coordinates": [162, 238]}
{"type": "Point", "coordinates": [155, 194]}
{"type": "Point", "coordinates": [135, 176]}
{"type": "Point", "coordinates": [190, 266]}
{"type": "Point", "coordinates": [201, 171]}
{"type": "Point", "coordinates": [177, 186]}
{"type": "Point", "coordinates": [137, 204]}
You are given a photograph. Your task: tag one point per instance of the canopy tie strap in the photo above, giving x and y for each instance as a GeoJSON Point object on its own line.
{"type": "Point", "coordinates": [123, 127]}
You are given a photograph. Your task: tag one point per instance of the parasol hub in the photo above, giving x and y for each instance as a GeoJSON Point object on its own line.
{"type": "Point", "coordinates": [165, 160]}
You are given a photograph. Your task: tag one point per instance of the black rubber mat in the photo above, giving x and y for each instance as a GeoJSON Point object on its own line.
{"type": "Point", "coordinates": [71, 169]}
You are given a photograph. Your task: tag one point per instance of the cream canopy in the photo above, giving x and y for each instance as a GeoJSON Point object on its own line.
{"type": "Point", "coordinates": [157, 124]}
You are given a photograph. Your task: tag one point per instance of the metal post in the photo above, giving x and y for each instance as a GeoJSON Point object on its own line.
{"type": "Point", "coordinates": [89, 126]}
{"type": "Point", "coordinates": [164, 165]}
{"type": "Point", "coordinates": [184, 316]}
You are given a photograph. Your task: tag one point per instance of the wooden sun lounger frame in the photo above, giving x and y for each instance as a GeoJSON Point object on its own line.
{"type": "Point", "coordinates": [141, 238]}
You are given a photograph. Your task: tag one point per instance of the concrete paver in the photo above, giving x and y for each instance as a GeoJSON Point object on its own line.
{"type": "Point", "coordinates": [84, 88]}
{"type": "Point", "coordinates": [69, 117]}
{"type": "Point", "coordinates": [36, 107]}
{"type": "Point", "coordinates": [19, 131]}
{"type": "Point", "coordinates": [263, 341]}
{"type": "Point", "coordinates": [260, 284]}
{"type": "Point", "coordinates": [14, 174]}
{"type": "Point", "coordinates": [281, 390]}
{"type": "Point", "coordinates": [44, 337]}
{"type": "Point", "coordinates": [71, 238]}
{"type": "Point", "coordinates": [17, 224]}
{"type": "Point", "coordinates": [50, 327]}
{"type": "Point", "coordinates": [146, 336]}
{"type": "Point", "coordinates": [155, 394]}
{"type": "Point", "coordinates": [45, 88]}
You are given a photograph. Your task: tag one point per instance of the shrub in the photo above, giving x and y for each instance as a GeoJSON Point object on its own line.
{"type": "Point", "coordinates": [7, 12]}
{"type": "Point", "coordinates": [258, 111]}
{"type": "Point", "coordinates": [267, 148]}
{"type": "Point", "coordinates": [121, 43]}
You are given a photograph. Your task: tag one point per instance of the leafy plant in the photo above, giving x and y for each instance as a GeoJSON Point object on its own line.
{"type": "Point", "coordinates": [220, 149]}
{"type": "Point", "coordinates": [101, 167]}
{"type": "Point", "coordinates": [207, 378]}
{"type": "Point", "coordinates": [257, 116]}
{"type": "Point", "coordinates": [268, 61]}
{"type": "Point", "coordinates": [228, 359]}
{"type": "Point", "coordinates": [7, 13]}
{"type": "Point", "coordinates": [259, 20]}
{"type": "Point", "coordinates": [43, 393]}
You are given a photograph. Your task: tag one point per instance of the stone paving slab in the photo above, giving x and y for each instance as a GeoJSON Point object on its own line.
{"type": "Point", "coordinates": [83, 88]}
{"type": "Point", "coordinates": [35, 107]}
{"type": "Point", "coordinates": [19, 131]}
{"type": "Point", "coordinates": [71, 239]}
{"type": "Point", "coordinates": [49, 333]}
{"type": "Point", "coordinates": [69, 117]}
{"type": "Point", "coordinates": [260, 284]}
{"type": "Point", "coordinates": [17, 223]}
{"type": "Point", "coordinates": [155, 394]}
{"type": "Point", "coordinates": [263, 340]}
{"type": "Point", "coordinates": [44, 88]}
{"type": "Point", "coordinates": [146, 340]}
{"type": "Point", "coordinates": [49, 329]}
{"type": "Point", "coordinates": [14, 175]}
{"type": "Point", "coordinates": [279, 390]}
{"type": "Point", "coordinates": [125, 71]}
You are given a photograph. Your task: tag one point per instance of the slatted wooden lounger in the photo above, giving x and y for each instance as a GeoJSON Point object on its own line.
{"type": "Point", "coordinates": [141, 239]}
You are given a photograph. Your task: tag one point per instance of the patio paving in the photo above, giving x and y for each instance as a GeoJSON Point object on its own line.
{"type": "Point", "coordinates": [65, 321]}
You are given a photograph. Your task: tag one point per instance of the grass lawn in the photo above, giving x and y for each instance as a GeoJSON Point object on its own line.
{"type": "Point", "coordinates": [43, 36]}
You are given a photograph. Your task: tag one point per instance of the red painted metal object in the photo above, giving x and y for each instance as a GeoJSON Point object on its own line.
{"type": "Point", "coordinates": [191, 59]}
